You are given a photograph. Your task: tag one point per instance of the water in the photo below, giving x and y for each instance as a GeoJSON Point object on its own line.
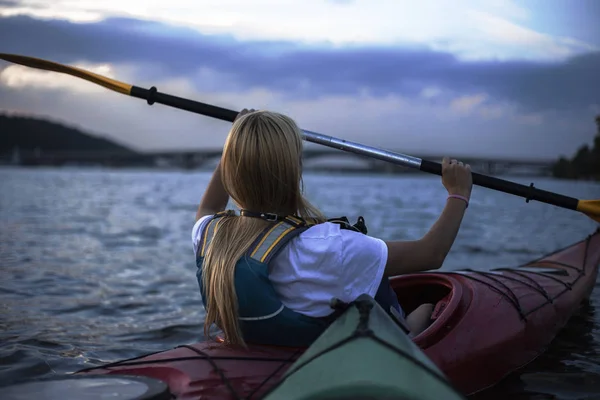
{"type": "Point", "coordinates": [97, 265]}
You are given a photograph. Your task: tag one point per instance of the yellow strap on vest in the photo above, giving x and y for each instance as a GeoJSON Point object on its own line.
{"type": "Point", "coordinates": [265, 243]}
{"type": "Point", "coordinates": [209, 231]}
{"type": "Point", "coordinates": [270, 240]}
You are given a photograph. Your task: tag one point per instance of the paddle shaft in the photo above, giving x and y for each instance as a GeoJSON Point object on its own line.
{"type": "Point", "coordinates": [528, 192]}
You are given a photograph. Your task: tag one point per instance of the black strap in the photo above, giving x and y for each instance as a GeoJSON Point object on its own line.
{"type": "Point", "coordinates": [270, 217]}
{"type": "Point", "coordinates": [296, 221]}
{"type": "Point", "coordinates": [360, 225]}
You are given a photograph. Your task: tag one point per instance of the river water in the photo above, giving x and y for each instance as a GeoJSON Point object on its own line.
{"type": "Point", "coordinates": [96, 265]}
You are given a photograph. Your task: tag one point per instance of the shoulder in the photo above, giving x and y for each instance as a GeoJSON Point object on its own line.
{"type": "Point", "coordinates": [342, 240]}
{"type": "Point", "coordinates": [331, 230]}
{"type": "Point", "coordinates": [197, 230]}
{"type": "Point", "coordinates": [344, 262]}
{"type": "Point", "coordinates": [325, 230]}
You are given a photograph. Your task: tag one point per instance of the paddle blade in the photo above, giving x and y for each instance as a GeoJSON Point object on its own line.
{"type": "Point", "coordinates": [38, 63]}
{"type": "Point", "coordinates": [591, 208]}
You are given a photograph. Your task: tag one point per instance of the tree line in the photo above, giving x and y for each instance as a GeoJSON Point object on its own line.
{"type": "Point", "coordinates": [28, 133]}
{"type": "Point", "coordinates": [584, 165]}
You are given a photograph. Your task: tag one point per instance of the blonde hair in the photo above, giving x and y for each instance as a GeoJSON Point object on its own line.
{"type": "Point", "coordinates": [261, 169]}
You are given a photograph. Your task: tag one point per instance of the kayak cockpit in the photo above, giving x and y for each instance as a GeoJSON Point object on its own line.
{"type": "Point", "coordinates": [449, 297]}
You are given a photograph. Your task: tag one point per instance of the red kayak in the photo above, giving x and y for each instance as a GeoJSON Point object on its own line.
{"type": "Point", "coordinates": [486, 325]}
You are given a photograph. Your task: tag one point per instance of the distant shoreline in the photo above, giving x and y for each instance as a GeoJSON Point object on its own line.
{"type": "Point", "coordinates": [36, 142]}
{"type": "Point", "coordinates": [584, 165]}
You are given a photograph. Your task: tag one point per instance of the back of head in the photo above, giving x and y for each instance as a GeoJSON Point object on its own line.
{"type": "Point", "coordinates": [261, 169]}
{"type": "Point", "coordinates": [262, 163]}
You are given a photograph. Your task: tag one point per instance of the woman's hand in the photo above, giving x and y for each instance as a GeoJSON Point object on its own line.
{"type": "Point", "coordinates": [244, 112]}
{"type": "Point", "coordinates": [430, 251]}
{"type": "Point", "coordinates": [457, 178]}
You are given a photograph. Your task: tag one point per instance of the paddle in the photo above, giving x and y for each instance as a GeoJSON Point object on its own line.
{"type": "Point", "coordinates": [591, 208]}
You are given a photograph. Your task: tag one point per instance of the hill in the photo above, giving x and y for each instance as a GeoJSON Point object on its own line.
{"type": "Point", "coordinates": [28, 133]}
{"type": "Point", "coordinates": [584, 165]}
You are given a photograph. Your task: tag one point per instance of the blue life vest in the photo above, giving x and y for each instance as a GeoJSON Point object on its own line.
{"type": "Point", "coordinates": [263, 319]}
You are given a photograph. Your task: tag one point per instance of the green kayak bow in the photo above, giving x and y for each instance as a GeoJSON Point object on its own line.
{"type": "Point", "coordinates": [364, 354]}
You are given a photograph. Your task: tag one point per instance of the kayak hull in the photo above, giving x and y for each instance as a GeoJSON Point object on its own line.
{"type": "Point", "coordinates": [486, 325]}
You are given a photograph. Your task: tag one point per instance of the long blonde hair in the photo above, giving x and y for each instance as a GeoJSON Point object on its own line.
{"type": "Point", "coordinates": [261, 169]}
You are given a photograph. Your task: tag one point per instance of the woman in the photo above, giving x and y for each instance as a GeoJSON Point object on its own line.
{"type": "Point", "coordinates": [268, 275]}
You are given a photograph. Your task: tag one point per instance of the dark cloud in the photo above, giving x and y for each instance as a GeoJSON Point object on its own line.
{"type": "Point", "coordinates": [305, 71]}
{"type": "Point", "coordinates": [9, 3]}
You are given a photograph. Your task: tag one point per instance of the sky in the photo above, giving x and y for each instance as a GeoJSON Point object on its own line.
{"type": "Point", "coordinates": [489, 78]}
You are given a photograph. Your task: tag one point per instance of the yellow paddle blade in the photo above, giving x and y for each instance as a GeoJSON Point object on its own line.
{"type": "Point", "coordinates": [38, 63]}
{"type": "Point", "coordinates": [591, 208]}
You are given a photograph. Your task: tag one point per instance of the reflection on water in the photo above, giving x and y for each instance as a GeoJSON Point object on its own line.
{"type": "Point", "coordinates": [97, 265]}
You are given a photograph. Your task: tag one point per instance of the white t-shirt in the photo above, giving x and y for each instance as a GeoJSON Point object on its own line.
{"type": "Point", "coordinates": [322, 262]}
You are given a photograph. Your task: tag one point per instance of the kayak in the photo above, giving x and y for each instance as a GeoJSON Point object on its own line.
{"type": "Point", "coordinates": [486, 324]}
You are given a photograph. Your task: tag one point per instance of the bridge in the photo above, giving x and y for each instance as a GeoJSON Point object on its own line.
{"type": "Point", "coordinates": [325, 159]}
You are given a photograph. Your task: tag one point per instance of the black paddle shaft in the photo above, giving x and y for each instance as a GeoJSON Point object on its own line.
{"type": "Point", "coordinates": [153, 96]}
{"type": "Point", "coordinates": [528, 192]}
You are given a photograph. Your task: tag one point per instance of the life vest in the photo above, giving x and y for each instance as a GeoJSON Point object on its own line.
{"type": "Point", "coordinates": [263, 319]}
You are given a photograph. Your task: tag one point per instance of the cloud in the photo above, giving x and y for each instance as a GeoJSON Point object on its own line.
{"type": "Point", "coordinates": [470, 29]}
{"type": "Point", "coordinates": [429, 92]}
{"type": "Point", "coordinates": [306, 71]}
{"type": "Point", "coordinates": [465, 104]}
{"type": "Point", "coordinates": [491, 112]}
{"type": "Point", "coordinates": [531, 119]}
{"type": "Point", "coordinates": [409, 98]}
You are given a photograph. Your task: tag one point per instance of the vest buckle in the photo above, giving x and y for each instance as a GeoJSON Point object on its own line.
{"type": "Point", "coordinates": [269, 217]}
